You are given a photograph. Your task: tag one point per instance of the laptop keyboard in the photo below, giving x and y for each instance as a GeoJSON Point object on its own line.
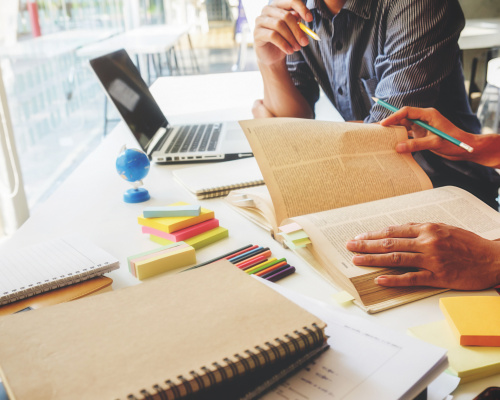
{"type": "Point", "coordinates": [195, 138]}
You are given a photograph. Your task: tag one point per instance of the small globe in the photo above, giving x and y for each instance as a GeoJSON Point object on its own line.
{"type": "Point", "coordinates": [132, 165]}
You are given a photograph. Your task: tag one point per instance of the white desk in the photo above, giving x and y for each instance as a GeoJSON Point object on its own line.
{"type": "Point", "coordinates": [90, 201]}
{"type": "Point", "coordinates": [480, 34]}
{"type": "Point", "coordinates": [145, 41]}
{"type": "Point", "coordinates": [54, 44]}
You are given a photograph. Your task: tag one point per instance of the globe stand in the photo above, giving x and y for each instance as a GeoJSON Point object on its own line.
{"type": "Point", "coordinates": [136, 195]}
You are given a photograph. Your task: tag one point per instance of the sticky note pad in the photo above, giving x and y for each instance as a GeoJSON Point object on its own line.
{"type": "Point", "coordinates": [166, 260]}
{"type": "Point", "coordinates": [172, 211]}
{"type": "Point", "coordinates": [131, 259]}
{"type": "Point", "coordinates": [183, 234]}
{"type": "Point", "coordinates": [172, 224]}
{"type": "Point", "coordinates": [467, 362]}
{"type": "Point", "coordinates": [474, 320]}
{"type": "Point", "coordinates": [198, 241]}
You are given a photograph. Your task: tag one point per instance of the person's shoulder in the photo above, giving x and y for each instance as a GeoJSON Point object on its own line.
{"type": "Point", "coordinates": [419, 8]}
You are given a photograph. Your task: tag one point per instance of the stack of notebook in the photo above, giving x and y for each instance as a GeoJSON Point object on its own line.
{"type": "Point", "coordinates": [209, 332]}
{"type": "Point", "coordinates": [197, 231]}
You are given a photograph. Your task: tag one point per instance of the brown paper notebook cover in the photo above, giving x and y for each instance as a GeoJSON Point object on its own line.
{"type": "Point", "coordinates": [92, 286]}
{"type": "Point", "coordinates": [161, 338]}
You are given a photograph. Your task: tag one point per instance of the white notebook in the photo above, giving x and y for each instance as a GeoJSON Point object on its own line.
{"type": "Point", "coordinates": [218, 179]}
{"type": "Point", "coordinates": [49, 265]}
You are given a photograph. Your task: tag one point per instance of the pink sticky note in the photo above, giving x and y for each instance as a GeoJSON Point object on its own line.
{"type": "Point", "coordinates": [289, 228]}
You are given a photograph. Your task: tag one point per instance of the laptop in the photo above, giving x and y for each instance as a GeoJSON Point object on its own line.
{"type": "Point", "coordinates": [162, 142]}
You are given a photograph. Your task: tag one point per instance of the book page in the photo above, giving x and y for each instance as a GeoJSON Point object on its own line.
{"type": "Point", "coordinates": [255, 204]}
{"type": "Point", "coordinates": [363, 359]}
{"type": "Point", "coordinates": [330, 230]}
{"type": "Point", "coordinates": [311, 166]}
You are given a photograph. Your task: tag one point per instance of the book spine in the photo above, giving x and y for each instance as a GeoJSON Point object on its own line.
{"type": "Point", "coordinates": [290, 345]}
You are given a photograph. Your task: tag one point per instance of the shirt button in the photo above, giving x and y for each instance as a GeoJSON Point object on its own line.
{"type": "Point", "coordinates": [340, 91]}
{"type": "Point", "coordinates": [339, 46]}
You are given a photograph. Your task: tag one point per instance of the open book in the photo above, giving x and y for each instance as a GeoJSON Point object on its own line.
{"type": "Point", "coordinates": [337, 180]}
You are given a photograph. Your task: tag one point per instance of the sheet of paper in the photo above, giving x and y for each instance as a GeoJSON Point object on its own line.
{"type": "Point", "coordinates": [364, 359]}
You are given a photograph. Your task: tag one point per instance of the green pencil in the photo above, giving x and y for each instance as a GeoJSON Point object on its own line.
{"type": "Point", "coordinates": [427, 126]}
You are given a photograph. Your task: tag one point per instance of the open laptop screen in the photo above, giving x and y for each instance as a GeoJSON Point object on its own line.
{"type": "Point", "coordinates": [130, 94]}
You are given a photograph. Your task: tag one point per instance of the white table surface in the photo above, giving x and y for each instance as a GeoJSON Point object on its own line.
{"type": "Point", "coordinates": [54, 44]}
{"type": "Point", "coordinates": [154, 39]}
{"type": "Point", "coordinates": [90, 202]}
{"type": "Point", "coordinates": [480, 34]}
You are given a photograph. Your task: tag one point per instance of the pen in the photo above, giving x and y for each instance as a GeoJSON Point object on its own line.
{"type": "Point", "coordinates": [311, 33]}
{"type": "Point", "coordinates": [427, 126]}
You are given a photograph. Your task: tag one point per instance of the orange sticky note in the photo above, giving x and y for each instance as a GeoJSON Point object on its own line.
{"type": "Point", "coordinates": [474, 320]}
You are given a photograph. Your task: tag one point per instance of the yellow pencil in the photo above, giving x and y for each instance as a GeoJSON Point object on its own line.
{"type": "Point", "coordinates": [311, 33]}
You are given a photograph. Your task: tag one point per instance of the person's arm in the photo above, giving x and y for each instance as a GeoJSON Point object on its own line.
{"type": "Point", "coordinates": [445, 256]}
{"type": "Point", "coordinates": [277, 35]}
{"type": "Point", "coordinates": [486, 147]}
{"type": "Point", "coordinates": [420, 51]}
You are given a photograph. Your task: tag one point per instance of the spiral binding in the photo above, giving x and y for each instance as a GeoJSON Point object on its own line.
{"type": "Point", "coordinates": [54, 283]}
{"type": "Point", "coordinates": [224, 190]}
{"type": "Point", "coordinates": [313, 338]}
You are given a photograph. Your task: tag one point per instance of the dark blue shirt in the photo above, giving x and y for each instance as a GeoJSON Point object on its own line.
{"type": "Point", "coordinates": [402, 51]}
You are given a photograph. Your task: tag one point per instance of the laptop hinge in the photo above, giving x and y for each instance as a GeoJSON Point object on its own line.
{"type": "Point", "coordinates": [154, 141]}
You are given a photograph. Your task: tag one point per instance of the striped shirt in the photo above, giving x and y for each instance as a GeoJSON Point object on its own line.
{"type": "Point", "coordinates": [402, 51]}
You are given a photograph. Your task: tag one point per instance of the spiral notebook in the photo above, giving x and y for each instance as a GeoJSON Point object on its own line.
{"type": "Point", "coordinates": [50, 265]}
{"type": "Point", "coordinates": [218, 179]}
{"type": "Point", "coordinates": [174, 336]}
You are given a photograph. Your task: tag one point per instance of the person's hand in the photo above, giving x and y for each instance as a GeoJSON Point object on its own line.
{"type": "Point", "coordinates": [277, 32]}
{"type": "Point", "coordinates": [425, 140]}
{"type": "Point", "coordinates": [446, 256]}
{"type": "Point", "coordinates": [259, 110]}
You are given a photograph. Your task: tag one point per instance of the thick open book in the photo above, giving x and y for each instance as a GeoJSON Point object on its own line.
{"type": "Point", "coordinates": [337, 180]}
{"type": "Point", "coordinates": [197, 333]}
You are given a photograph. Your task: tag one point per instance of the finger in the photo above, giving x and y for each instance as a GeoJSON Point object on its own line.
{"type": "Point", "coordinates": [410, 230]}
{"type": "Point", "coordinates": [295, 5]}
{"type": "Point", "coordinates": [387, 245]}
{"type": "Point", "coordinates": [419, 278]}
{"type": "Point", "coordinates": [396, 259]}
{"type": "Point", "coordinates": [423, 114]}
{"type": "Point", "coordinates": [284, 23]}
{"type": "Point", "coordinates": [264, 36]}
{"type": "Point", "coordinates": [431, 142]}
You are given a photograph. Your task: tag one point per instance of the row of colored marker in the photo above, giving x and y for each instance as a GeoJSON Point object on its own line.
{"type": "Point", "coordinates": [258, 260]}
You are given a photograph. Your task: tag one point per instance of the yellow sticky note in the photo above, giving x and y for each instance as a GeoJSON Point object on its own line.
{"type": "Point", "coordinates": [342, 297]}
{"type": "Point", "coordinates": [165, 262]}
{"type": "Point", "coordinates": [467, 362]}
{"type": "Point", "coordinates": [198, 241]}
{"type": "Point", "coordinates": [172, 224]}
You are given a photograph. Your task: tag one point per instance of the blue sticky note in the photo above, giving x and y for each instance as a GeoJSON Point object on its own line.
{"type": "Point", "coordinates": [172, 211]}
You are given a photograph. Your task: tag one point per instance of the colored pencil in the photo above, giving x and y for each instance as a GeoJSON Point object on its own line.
{"type": "Point", "coordinates": [272, 269]}
{"type": "Point", "coordinates": [232, 253]}
{"type": "Point", "coordinates": [427, 126]}
{"type": "Point", "coordinates": [281, 274]}
{"type": "Point", "coordinates": [247, 255]}
{"type": "Point", "coordinates": [283, 267]}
